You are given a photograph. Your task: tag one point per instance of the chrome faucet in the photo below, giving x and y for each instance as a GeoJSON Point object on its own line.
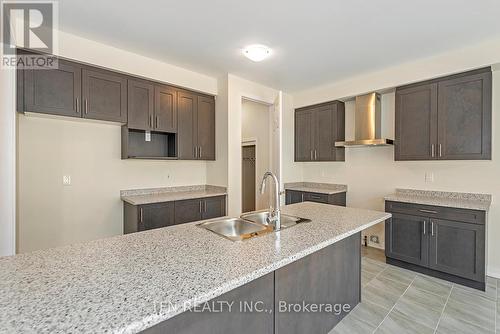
{"type": "Point", "coordinates": [274, 211]}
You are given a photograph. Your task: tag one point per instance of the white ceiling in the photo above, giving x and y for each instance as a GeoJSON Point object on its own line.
{"type": "Point", "coordinates": [314, 42]}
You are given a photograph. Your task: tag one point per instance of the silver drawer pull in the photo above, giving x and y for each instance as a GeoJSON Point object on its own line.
{"type": "Point", "coordinates": [428, 211]}
{"type": "Point", "coordinates": [424, 223]}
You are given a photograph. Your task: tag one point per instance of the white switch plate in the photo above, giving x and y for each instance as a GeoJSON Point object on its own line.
{"type": "Point", "coordinates": [67, 180]}
{"type": "Point", "coordinates": [148, 136]}
{"type": "Point", "coordinates": [429, 177]}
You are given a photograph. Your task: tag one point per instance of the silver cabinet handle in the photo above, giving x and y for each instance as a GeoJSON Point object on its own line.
{"type": "Point", "coordinates": [302, 197]}
{"type": "Point", "coordinates": [428, 211]}
{"type": "Point", "coordinates": [315, 155]}
{"type": "Point", "coordinates": [77, 105]}
{"type": "Point", "coordinates": [157, 122]}
{"type": "Point", "coordinates": [440, 150]}
{"type": "Point", "coordinates": [312, 155]}
{"type": "Point", "coordinates": [86, 107]}
{"type": "Point", "coordinates": [200, 205]}
{"type": "Point", "coordinates": [141, 217]}
{"type": "Point", "coordinates": [433, 153]}
{"type": "Point", "coordinates": [204, 206]}
{"type": "Point", "coordinates": [195, 152]}
{"type": "Point", "coordinates": [199, 154]}
{"type": "Point", "coordinates": [424, 223]}
{"type": "Point", "coordinates": [432, 228]}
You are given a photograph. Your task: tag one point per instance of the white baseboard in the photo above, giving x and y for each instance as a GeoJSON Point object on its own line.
{"type": "Point", "coordinates": [493, 272]}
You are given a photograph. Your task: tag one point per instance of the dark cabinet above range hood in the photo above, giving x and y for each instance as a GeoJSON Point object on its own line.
{"type": "Point", "coordinates": [367, 131]}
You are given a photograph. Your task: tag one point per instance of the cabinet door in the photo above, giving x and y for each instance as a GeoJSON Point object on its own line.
{"type": "Point", "coordinates": [55, 91]}
{"type": "Point", "coordinates": [338, 199]}
{"type": "Point", "coordinates": [140, 105]}
{"type": "Point", "coordinates": [325, 133]}
{"type": "Point", "coordinates": [188, 210]}
{"type": "Point", "coordinates": [406, 238]}
{"type": "Point", "coordinates": [457, 248]}
{"type": "Point", "coordinates": [104, 95]}
{"type": "Point", "coordinates": [293, 196]}
{"type": "Point", "coordinates": [165, 109]}
{"type": "Point", "coordinates": [156, 215]}
{"type": "Point", "coordinates": [303, 135]}
{"type": "Point", "coordinates": [331, 275]}
{"type": "Point", "coordinates": [465, 118]}
{"type": "Point", "coordinates": [416, 123]}
{"type": "Point", "coordinates": [206, 128]}
{"type": "Point", "coordinates": [187, 125]}
{"type": "Point", "coordinates": [213, 207]}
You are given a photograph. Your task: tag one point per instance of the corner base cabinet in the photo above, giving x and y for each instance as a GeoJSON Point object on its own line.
{"type": "Point", "coordinates": [143, 217]}
{"type": "Point", "coordinates": [295, 196]}
{"type": "Point", "coordinates": [447, 243]}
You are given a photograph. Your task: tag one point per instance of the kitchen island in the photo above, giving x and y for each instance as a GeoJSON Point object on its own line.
{"type": "Point", "coordinates": [144, 281]}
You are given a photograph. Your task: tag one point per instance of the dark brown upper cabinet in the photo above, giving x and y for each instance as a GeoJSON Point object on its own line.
{"type": "Point", "coordinates": [54, 91]}
{"type": "Point", "coordinates": [196, 126]}
{"type": "Point", "coordinates": [464, 117]}
{"type": "Point", "coordinates": [104, 95]}
{"type": "Point", "coordinates": [416, 122]}
{"type": "Point", "coordinates": [445, 119]}
{"type": "Point", "coordinates": [316, 130]}
{"type": "Point", "coordinates": [74, 90]}
{"type": "Point", "coordinates": [165, 119]}
{"type": "Point", "coordinates": [151, 107]}
{"type": "Point", "coordinates": [206, 128]}
{"type": "Point", "coordinates": [140, 105]}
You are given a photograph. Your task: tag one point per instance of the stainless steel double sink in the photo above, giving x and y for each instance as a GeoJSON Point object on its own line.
{"type": "Point", "coordinates": [249, 225]}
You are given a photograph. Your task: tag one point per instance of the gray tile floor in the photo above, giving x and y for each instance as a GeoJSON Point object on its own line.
{"type": "Point", "coordinates": [399, 301]}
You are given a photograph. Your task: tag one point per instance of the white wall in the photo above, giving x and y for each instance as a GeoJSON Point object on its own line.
{"type": "Point", "coordinates": [8, 161]}
{"type": "Point", "coordinates": [237, 90]}
{"type": "Point", "coordinates": [255, 125]}
{"type": "Point", "coordinates": [52, 215]}
{"type": "Point", "coordinates": [372, 173]}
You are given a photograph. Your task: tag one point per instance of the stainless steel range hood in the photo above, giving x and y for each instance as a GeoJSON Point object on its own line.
{"type": "Point", "coordinates": [367, 131]}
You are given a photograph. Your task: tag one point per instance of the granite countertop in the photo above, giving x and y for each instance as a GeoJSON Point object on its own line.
{"type": "Point", "coordinates": [117, 284]}
{"type": "Point", "coordinates": [320, 188]}
{"type": "Point", "coordinates": [159, 195]}
{"type": "Point", "coordinates": [442, 198]}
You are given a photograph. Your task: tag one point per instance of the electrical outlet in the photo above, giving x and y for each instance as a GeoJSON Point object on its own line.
{"type": "Point", "coordinates": [429, 177]}
{"type": "Point", "coordinates": [374, 239]}
{"type": "Point", "coordinates": [67, 180]}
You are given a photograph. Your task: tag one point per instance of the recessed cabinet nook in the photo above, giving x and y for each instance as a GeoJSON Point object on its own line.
{"type": "Point", "coordinates": [159, 121]}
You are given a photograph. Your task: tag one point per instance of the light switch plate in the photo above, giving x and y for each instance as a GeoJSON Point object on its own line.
{"type": "Point", "coordinates": [66, 180]}
{"type": "Point", "coordinates": [148, 136]}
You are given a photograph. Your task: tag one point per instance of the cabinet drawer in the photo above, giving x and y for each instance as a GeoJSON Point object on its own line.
{"type": "Point", "coordinates": [316, 197]}
{"type": "Point", "coordinates": [441, 212]}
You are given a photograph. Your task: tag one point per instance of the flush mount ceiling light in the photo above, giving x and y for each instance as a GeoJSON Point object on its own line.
{"type": "Point", "coordinates": [257, 52]}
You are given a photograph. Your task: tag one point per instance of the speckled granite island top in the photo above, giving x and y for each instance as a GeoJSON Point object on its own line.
{"type": "Point", "coordinates": [320, 188]}
{"type": "Point", "coordinates": [442, 198]}
{"type": "Point", "coordinates": [168, 194]}
{"type": "Point", "coordinates": [116, 284]}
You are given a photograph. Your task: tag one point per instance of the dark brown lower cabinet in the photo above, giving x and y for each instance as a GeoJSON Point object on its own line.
{"type": "Point", "coordinates": [447, 243]}
{"type": "Point", "coordinates": [294, 196]}
{"type": "Point", "coordinates": [406, 239]}
{"type": "Point", "coordinates": [150, 216]}
{"type": "Point", "coordinates": [330, 276]}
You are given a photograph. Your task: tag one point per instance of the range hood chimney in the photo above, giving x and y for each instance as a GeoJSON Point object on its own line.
{"type": "Point", "coordinates": [367, 131]}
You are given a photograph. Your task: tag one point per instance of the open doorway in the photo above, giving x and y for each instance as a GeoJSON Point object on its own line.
{"type": "Point", "coordinates": [256, 152]}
